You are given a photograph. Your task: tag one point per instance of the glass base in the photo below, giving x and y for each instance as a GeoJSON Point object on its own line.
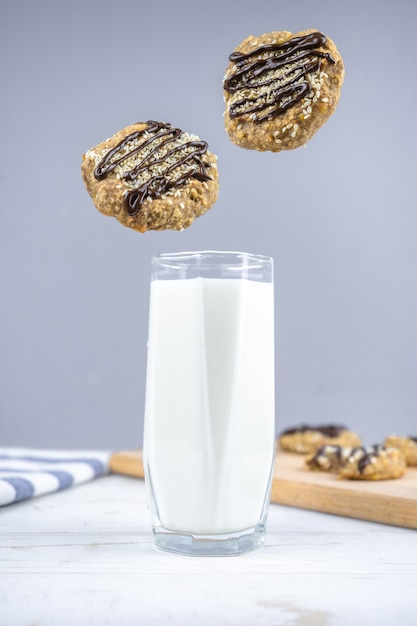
{"type": "Point", "coordinates": [231, 544]}
{"type": "Point", "coordinates": [213, 544]}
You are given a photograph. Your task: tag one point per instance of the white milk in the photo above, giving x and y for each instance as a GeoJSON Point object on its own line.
{"type": "Point", "coordinates": [209, 423]}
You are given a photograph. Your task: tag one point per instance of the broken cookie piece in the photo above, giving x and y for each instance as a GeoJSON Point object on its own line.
{"type": "Point", "coordinates": [152, 176]}
{"type": "Point", "coordinates": [280, 88]}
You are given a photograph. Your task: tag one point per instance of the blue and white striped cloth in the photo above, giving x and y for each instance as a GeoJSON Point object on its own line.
{"type": "Point", "coordinates": [30, 472]}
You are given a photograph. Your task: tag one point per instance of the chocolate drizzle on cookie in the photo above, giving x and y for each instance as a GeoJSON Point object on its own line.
{"type": "Point", "coordinates": [366, 455]}
{"type": "Point", "coordinates": [153, 161]}
{"type": "Point", "coordinates": [332, 455]}
{"type": "Point", "coordinates": [274, 77]}
{"type": "Point", "coordinates": [328, 431]}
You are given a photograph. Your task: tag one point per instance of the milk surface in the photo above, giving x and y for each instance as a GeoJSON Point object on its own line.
{"type": "Point", "coordinates": [209, 414]}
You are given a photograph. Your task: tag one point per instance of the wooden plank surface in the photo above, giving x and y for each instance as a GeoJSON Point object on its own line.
{"type": "Point", "coordinates": [85, 557]}
{"type": "Point", "coordinates": [388, 501]}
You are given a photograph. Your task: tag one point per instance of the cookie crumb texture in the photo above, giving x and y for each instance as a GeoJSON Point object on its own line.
{"type": "Point", "coordinates": [374, 463]}
{"type": "Point", "coordinates": [328, 458]}
{"type": "Point", "coordinates": [407, 445]}
{"type": "Point", "coordinates": [151, 176]}
{"type": "Point", "coordinates": [280, 88]}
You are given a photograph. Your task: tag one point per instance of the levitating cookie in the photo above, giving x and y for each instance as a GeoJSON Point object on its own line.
{"type": "Point", "coordinates": [407, 445]}
{"type": "Point", "coordinates": [152, 176]}
{"type": "Point", "coordinates": [374, 463]}
{"type": "Point", "coordinates": [280, 88]}
{"type": "Point", "coordinates": [305, 439]}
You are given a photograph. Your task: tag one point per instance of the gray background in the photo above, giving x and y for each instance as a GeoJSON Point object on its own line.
{"type": "Point", "coordinates": [339, 216]}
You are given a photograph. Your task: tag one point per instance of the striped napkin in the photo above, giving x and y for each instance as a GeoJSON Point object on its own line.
{"type": "Point", "coordinates": [30, 472]}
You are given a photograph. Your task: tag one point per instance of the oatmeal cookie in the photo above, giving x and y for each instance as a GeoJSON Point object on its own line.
{"type": "Point", "coordinates": [328, 458]}
{"type": "Point", "coordinates": [374, 463]}
{"type": "Point", "coordinates": [306, 438]}
{"type": "Point", "coordinates": [151, 176]}
{"type": "Point", "coordinates": [280, 88]}
{"type": "Point", "coordinates": [407, 445]}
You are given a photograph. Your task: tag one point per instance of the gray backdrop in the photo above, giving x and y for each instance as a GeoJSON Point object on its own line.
{"type": "Point", "coordinates": [339, 216]}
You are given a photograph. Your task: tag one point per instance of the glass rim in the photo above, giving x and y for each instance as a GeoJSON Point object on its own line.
{"type": "Point", "coordinates": [212, 264]}
{"type": "Point", "coordinates": [207, 254]}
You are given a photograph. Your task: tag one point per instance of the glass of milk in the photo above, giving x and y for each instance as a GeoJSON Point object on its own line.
{"type": "Point", "coordinates": [209, 411]}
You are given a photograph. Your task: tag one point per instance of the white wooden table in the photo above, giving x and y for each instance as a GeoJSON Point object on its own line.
{"type": "Point", "coordinates": [85, 556]}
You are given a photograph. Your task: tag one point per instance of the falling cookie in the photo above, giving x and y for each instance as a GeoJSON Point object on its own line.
{"type": "Point", "coordinates": [280, 88]}
{"type": "Point", "coordinates": [152, 176]}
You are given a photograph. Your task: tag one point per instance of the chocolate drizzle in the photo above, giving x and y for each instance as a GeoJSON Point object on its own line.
{"type": "Point", "coordinates": [161, 162]}
{"type": "Point", "coordinates": [329, 452]}
{"type": "Point", "coordinates": [328, 430]}
{"type": "Point", "coordinates": [366, 455]}
{"type": "Point", "coordinates": [281, 69]}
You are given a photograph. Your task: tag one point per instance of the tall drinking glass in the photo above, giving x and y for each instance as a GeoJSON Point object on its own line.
{"type": "Point", "coordinates": [209, 410]}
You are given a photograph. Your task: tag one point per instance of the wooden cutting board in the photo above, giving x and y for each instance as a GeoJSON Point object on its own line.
{"type": "Point", "coordinates": [387, 501]}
